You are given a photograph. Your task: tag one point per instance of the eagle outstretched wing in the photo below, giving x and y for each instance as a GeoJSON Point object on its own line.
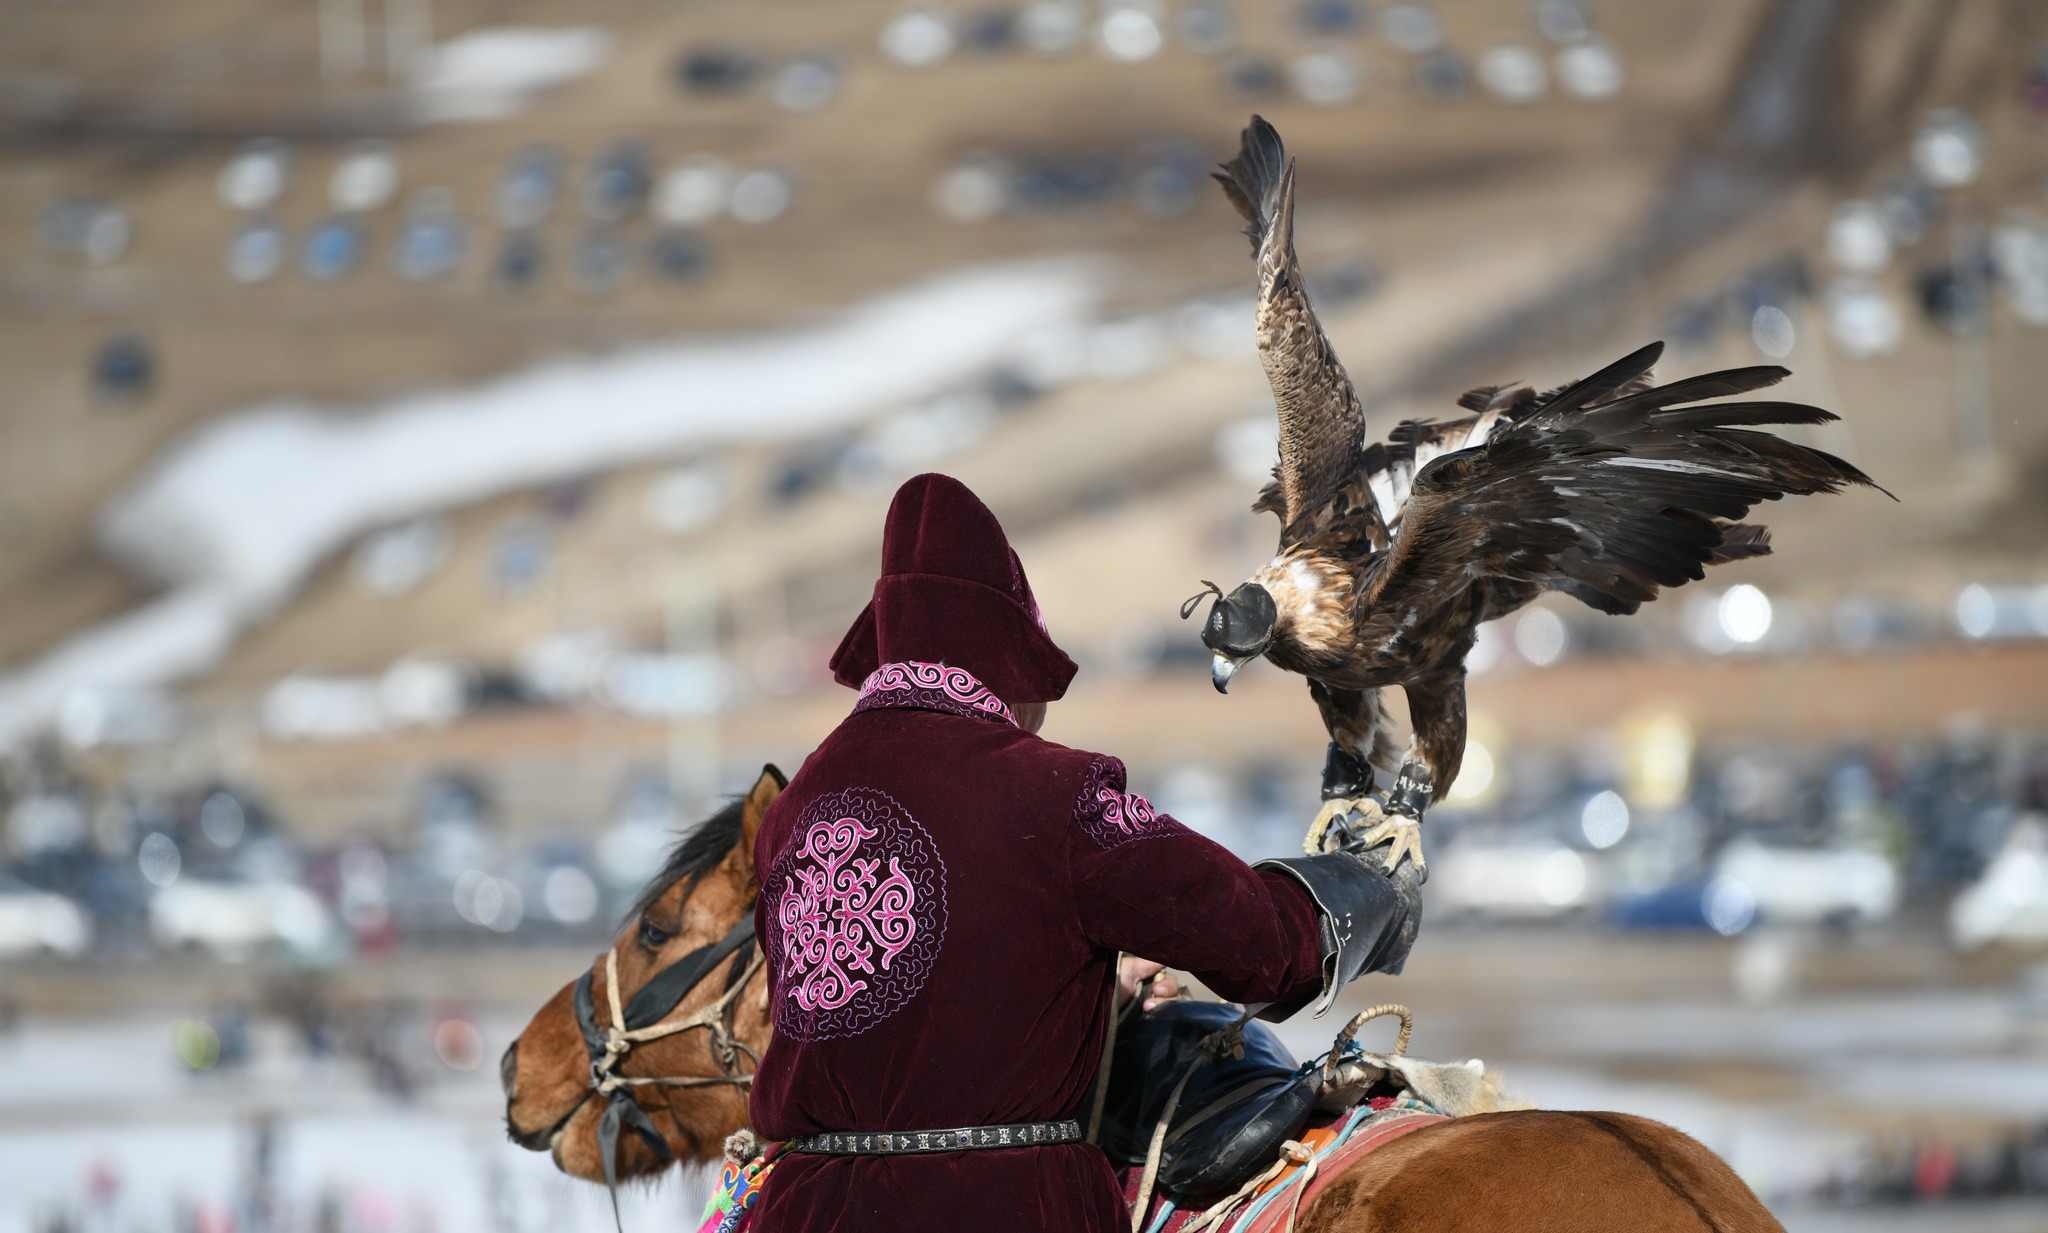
{"type": "Point", "coordinates": [1322, 423]}
{"type": "Point", "coordinates": [1607, 490]}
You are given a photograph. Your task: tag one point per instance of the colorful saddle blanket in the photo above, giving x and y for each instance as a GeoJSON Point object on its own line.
{"type": "Point", "coordinates": [1336, 1144]}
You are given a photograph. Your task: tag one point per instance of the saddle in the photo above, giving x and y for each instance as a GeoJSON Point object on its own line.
{"type": "Point", "coordinates": [1238, 1110]}
{"type": "Point", "coordinates": [1234, 1113]}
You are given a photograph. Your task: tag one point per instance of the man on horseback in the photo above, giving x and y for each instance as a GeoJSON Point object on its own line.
{"type": "Point", "coordinates": [943, 895]}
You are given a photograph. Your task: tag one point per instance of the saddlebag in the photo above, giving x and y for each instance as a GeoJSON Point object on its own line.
{"type": "Point", "coordinates": [1234, 1114]}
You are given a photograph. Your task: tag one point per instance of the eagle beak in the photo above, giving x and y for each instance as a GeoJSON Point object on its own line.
{"type": "Point", "coordinates": [1221, 669]}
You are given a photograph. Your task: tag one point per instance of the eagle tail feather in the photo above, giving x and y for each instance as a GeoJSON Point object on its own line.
{"type": "Point", "coordinates": [1479, 399]}
{"type": "Point", "coordinates": [1741, 541]}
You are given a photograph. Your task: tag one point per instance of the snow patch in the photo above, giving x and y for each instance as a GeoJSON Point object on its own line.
{"type": "Point", "coordinates": [492, 73]}
{"type": "Point", "coordinates": [233, 517]}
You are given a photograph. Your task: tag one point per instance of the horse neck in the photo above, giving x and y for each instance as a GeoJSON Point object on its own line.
{"type": "Point", "coordinates": [755, 1023]}
{"type": "Point", "coordinates": [753, 1026]}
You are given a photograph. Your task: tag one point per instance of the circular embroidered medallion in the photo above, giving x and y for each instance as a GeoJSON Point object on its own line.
{"type": "Point", "coordinates": [857, 910]}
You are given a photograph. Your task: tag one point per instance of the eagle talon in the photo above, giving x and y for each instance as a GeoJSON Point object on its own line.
{"type": "Point", "coordinates": [1336, 814]}
{"type": "Point", "coordinates": [1402, 836]}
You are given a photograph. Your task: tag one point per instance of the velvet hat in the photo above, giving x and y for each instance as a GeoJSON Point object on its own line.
{"type": "Point", "coordinates": [953, 592]}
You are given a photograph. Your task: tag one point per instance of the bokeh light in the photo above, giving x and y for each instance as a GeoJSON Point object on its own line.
{"type": "Point", "coordinates": [1658, 751]}
{"type": "Point", "coordinates": [158, 858]}
{"type": "Point", "coordinates": [918, 38]}
{"type": "Point", "coordinates": [1513, 72]}
{"type": "Point", "coordinates": [1949, 148]}
{"type": "Point", "coordinates": [195, 1044]}
{"type": "Point", "coordinates": [1744, 613]}
{"type": "Point", "coordinates": [1770, 327]}
{"type": "Point", "coordinates": [1604, 819]}
{"type": "Point", "coordinates": [1730, 906]}
{"type": "Point", "coordinates": [1561, 878]}
{"type": "Point", "coordinates": [222, 820]}
{"type": "Point", "coordinates": [458, 1044]}
{"type": "Point", "coordinates": [1130, 34]}
{"type": "Point", "coordinates": [570, 895]}
{"type": "Point", "coordinates": [1541, 637]}
{"type": "Point", "coordinates": [1976, 611]}
{"type": "Point", "coordinates": [1475, 774]}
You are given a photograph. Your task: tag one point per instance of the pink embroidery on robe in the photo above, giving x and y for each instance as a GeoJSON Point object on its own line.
{"type": "Point", "coordinates": [1112, 816]}
{"type": "Point", "coordinates": [934, 687]}
{"type": "Point", "coordinates": [858, 906]}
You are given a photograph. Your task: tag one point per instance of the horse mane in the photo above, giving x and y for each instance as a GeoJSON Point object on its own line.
{"type": "Point", "coordinates": [695, 854]}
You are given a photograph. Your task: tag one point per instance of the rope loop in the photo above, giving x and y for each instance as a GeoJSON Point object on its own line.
{"type": "Point", "coordinates": [1347, 1039]}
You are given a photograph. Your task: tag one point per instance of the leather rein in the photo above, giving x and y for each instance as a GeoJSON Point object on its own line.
{"type": "Point", "coordinates": [644, 1018]}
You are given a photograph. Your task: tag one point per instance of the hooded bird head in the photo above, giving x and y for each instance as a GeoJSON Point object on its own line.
{"type": "Point", "coordinates": [1239, 629]}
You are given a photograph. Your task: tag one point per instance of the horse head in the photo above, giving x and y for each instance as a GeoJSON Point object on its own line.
{"type": "Point", "coordinates": [686, 946]}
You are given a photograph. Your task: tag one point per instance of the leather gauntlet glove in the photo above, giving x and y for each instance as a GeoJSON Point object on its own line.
{"type": "Point", "coordinates": [1369, 919]}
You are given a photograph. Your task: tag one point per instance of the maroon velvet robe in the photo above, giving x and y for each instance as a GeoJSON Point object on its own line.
{"type": "Point", "coordinates": [942, 898]}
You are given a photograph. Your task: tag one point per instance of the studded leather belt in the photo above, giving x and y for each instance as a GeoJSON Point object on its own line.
{"type": "Point", "coordinates": [914, 1142]}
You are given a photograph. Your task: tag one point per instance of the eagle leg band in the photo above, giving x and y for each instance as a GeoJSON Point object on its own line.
{"type": "Point", "coordinates": [1345, 774]}
{"type": "Point", "coordinates": [1410, 794]}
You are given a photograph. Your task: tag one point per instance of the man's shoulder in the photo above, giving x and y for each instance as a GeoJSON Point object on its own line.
{"type": "Point", "coordinates": [1065, 755]}
{"type": "Point", "coordinates": [915, 746]}
{"type": "Point", "coordinates": [1072, 772]}
{"type": "Point", "coordinates": [1004, 739]}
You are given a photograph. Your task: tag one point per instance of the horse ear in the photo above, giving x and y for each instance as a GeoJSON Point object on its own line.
{"type": "Point", "coordinates": [759, 797]}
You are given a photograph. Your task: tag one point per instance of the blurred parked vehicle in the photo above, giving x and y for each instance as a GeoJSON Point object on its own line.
{"type": "Point", "coordinates": [1755, 882]}
{"type": "Point", "coordinates": [1812, 885]}
{"type": "Point", "coordinates": [1527, 881]}
{"type": "Point", "coordinates": [2010, 902]}
{"type": "Point", "coordinates": [239, 918]}
{"type": "Point", "coordinates": [1721, 904]}
{"type": "Point", "coordinates": [39, 922]}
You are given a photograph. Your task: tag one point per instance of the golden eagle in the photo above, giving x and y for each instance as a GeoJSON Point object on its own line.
{"type": "Point", "coordinates": [1391, 554]}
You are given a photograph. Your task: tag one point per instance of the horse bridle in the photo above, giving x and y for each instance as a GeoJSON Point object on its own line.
{"type": "Point", "coordinates": [642, 1020]}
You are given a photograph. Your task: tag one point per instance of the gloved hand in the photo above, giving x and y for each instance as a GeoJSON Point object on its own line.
{"type": "Point", "coordinates": [1369, 918]}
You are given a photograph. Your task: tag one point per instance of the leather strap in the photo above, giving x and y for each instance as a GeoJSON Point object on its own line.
{"type": "Point", "coordinates": [655, 999]}
{"type": "Point", "coordinates": [649, 1006]}
{"type": "Point", "coordinates": [917, 1142]}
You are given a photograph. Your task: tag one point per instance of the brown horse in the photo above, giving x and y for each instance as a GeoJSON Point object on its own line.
{"type": "Point", "coordinates": [1530, 1171]}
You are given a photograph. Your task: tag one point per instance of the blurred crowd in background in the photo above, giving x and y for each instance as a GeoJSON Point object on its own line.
{"type": "Point", "coordinates": [1653, 835]}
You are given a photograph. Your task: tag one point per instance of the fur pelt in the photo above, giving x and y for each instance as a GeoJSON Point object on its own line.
{"type": "Point", "coordinates": [1457, 1089]}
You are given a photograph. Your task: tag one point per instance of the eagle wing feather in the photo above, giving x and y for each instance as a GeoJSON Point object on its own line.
{"type": "Point", "coordinates": [1322, 422]}
{"type": "Point", "coordinates": [1603, 493]}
